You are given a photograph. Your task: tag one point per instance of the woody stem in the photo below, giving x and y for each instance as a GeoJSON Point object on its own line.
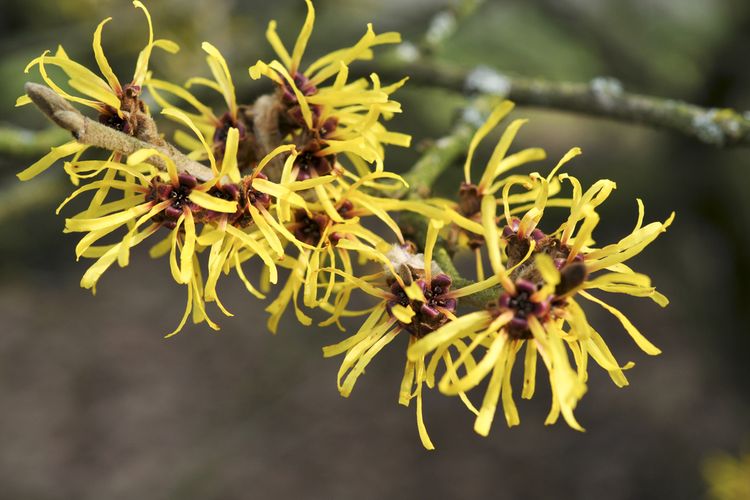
{"type": "Point", "coordinates": [87, 131]}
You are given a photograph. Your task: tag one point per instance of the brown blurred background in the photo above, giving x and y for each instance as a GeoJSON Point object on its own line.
{"type": "Point", "coordinates": [94, 404]}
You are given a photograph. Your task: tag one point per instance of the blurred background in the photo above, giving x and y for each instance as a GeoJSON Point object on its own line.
{"type": "Point", "coordinates": [94, 403]}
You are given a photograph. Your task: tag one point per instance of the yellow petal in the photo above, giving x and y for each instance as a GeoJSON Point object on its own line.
{"type": "Point", "coordinates": [637, 336]}
{"type": "Point", "coordinates": [220, 71]}
{"type": "Point", "coordinates": [491, 171]}
{"type": "Point", "coordinates": [304, 36]}
{"type": "Point", "coordinates": [432, 233]}
{"type": "Point", "coordinates": [365, 330]}
{"type": "Point", "coordinates": [359, 368]}
{"type": "Point", "coordinates": [93, 273]}
{"type": "Point", "coordinates": [268, 233]}
{"type": "Point", "coordinates": [491, 235]}
{"type": "Point", "coordinates": [42, 70]}
{"type": "Point", "coordinates": [529, 371]}
{"type": "Point", "coordinates": [273, 38]}
{"type": "Point", "coordinates": [572, 153]}
{"type": "Point", "coordinates": [50, 158]}
{"type": "Point", "coordinates": [183, 118]}
{"type": "Point", "coordinates": [475, 376]}
{"type": "Point", "coordinates": [23, 100]}
{"type": "Point", "coordinates": [421, 428]}
{"type": "Point", "coordinates": [183, 94]}
{"type": "Point", "coordinates": [278, 191]}
{"type": "Point", "coordinates": [92, 90]}
{"type": "Point", "coordinates": [403, 313]}
{"type": "Point", "coordinates": [116, 219]}
{"type": "Point", "coordinates": [486, 415]}
{"type": "Point", "coordinates": [301, 100]}
{"type": "Point", "coordinates": [250, 288]}
{"type": "Point", "coordinates": [273, 154]}
{"type": "Point", "coordinates": [407, 381]}
{"type": "Point", "coordinates": [509, 406]}
{"type": "Point", "coordinates": [167, 45]}
{"type": "Point", "coordinates": [199, 80]}
{"type": "Point", "coordinates": [101, 59]}
{"type": "Point", "coordinates": [447, 333]}
{"type": "Point", "coordinates": [186, 255]}
{"type": "Point", "coordinates": [212, 203]}
{"type": "Point", "coordinates": [142, 155]}
{"type": "Point", "coordinates": [256, 247]}
{"type": "Point", "coordinates": [186, 314]}
{"type": "Point", "coordinates": [476, 287]}
{"type": "Point", "coordinates": [497, 114]}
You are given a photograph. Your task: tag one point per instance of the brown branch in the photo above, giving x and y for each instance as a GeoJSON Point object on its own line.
{"type": "Point", "coordinates": [87, 131]}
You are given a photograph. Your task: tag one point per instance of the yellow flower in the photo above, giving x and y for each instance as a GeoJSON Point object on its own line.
{"type": "Point", "coordinates": [540, 276]}
{"type": "Point", "coordinates": [211, 124]}
{"type": "Point", "coordinates": [108, 95]}
{"type": "Point", "coordinates": [119, 106]}
{"type": "Point", "coordinates": [237, 213]}
{"type": "Point", "coordinates": [415, 298]}
{"type": "Point", "coordinates": [264, 210]}
{"type": "Point", "coordinates": [325, 233]}
{"type": "Point", "coordinates": [254, 230]}
{"type": "Point", "coordinates": [465, 230]}
{"type": "Point", "coordinates": [152, 199]}
{"type": "Point", "coordinates": [728, 477]}
{"type": "Point", "coordinates": [323, 244]}
{"type": "Point", "coordinates": [342, 116]}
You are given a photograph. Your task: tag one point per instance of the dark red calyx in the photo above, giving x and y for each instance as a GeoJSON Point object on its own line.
{"type": "Point", "coordinates": [430, 314]}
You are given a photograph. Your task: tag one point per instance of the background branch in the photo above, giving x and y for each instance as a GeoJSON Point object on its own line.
{"type": "Point", "coordinates": [603, 97]}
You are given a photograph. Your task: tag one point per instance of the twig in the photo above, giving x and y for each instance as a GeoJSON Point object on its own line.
{"type": "Point", "coordinates": [87, 131]}
{"type": "Point", "coordinates": [602, 97]}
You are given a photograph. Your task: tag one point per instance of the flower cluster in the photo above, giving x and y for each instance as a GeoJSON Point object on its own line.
{"type": "Point", "coordinates": [292, 180]}
{"type": "Point", "coordinates": [537, 280]}
{"type": "Point", "coordinates": [291, 177]}
{"type": "Point", "coordinates": [531, 300]}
